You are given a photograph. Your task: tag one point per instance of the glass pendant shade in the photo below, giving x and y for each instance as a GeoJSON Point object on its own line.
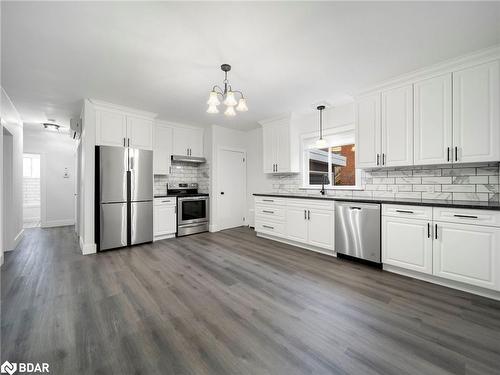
{"type": "Point", "coordinates": [242, 105]}
{"type": "Point", "coordinates": [230, 99]}
{"type": "Point", "coordinates": [230, 112]}
{"type": "Point", "coordinates": [212, 108]}
{"type": "Point", "coordinates": [213, 99]}
{"type": "Point", "coordinates": [321, 143]}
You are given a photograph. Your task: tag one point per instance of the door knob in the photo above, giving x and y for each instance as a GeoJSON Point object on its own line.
{"type": "Point", "coordinates": [221, 193]}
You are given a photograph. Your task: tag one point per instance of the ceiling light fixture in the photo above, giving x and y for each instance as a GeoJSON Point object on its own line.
{"type": "Point", "coordinates": [50, 126]}
{"type": "Point", "coordinates": [227, 96]}
{"type": "Point", "coordinates": [321, 143]}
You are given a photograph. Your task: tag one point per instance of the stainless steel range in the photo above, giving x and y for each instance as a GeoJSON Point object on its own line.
{"type": "Point", "coordinates": [192, 208]}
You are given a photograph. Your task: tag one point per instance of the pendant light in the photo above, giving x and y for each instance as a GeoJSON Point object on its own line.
{"type": "Point", "coordinates": [227, 97]}
{"type": "Point", "coordinates": [321, 143]}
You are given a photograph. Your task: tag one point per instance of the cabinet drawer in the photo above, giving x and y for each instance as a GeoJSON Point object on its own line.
{"type": "Point", "coordinates": [310, 203]}
{"type": "Point", "coordinates": [165, 201]}
{"type": "Point", "coordinates": [270, 211]}
{"type": "Point", "coordinates": [466, 216]}
{"type": "Point", "coordinates": [270, 200]}
{"type": "Point", "coordinates": [269, 227]}
{"type": "Point", "coordinates": [407, 211]}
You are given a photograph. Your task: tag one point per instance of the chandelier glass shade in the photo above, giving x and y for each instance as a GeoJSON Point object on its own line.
{"type": "Point", "coordinates": [227, 96]}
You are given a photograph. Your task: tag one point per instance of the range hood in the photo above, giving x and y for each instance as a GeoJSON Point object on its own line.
{"type": "Point", "coordinates": [189, 159]}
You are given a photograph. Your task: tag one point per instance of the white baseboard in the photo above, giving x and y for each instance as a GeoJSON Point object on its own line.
{"type": "Point", "coordinates": [444, 282]}
{"type": "Point", "coordinates": [298, 244]}
{"type": "Point", "coordinates": [87, 248]}
{"type": "Point", "coordinates": [213, 228]}
{"type": "Point", "coordinates": [58, 223]}
{"type": "Point", "coordinates": [17, 239]}
{"type": "Point", "coordinates": [163, 237]}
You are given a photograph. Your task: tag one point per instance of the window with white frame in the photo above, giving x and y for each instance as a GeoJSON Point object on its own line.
{"type": "Point", "coordinates": [335, 165]}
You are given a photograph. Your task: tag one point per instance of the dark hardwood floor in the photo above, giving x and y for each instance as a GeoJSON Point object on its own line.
{"type": "Point", "coordinates": [232, 303]}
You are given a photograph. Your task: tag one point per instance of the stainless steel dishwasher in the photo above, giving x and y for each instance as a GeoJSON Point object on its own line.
{"type": "Point", "coordinates": [357, 230]}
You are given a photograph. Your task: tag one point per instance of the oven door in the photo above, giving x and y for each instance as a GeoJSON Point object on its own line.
{"type": "Point", "coordinates": [192, 210]}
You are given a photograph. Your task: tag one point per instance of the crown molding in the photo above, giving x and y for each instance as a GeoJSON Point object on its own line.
{"type": "Point", "coordinates": [116, 107]}
{"type": "Point", "coordinates": [448, 66]}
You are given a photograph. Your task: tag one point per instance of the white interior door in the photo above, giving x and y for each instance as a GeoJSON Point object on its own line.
{"type": "Point", "coordinates": [231, 194]}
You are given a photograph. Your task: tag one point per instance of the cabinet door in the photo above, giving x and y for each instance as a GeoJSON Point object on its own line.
{"type": "Point", "coordinates": [397, 127]}
{"type": "Point", "coordinates": [468, 253]}
{"type": "Point", "coordinates": [476, 119]}
{"type": "Point", "coordinates": [282, 145]}
{"type": "Point", "coordinates": [432, 121]}
{"type": "Point", "coordinates": [196, 142]}
{"type": "Point", "coordinates": [321, 228]}
{"type": "Point", "coordinates": [296, 224]}
{"type": "Point", "coordinates": [368, 132]}
{"type": "Point", "coordinates": [181, 141]}
{"type": "Point", "coordinates": [111, 128]}
{"type": "Point", "coordinates": [407, 243]}
{"type": "Point", "coordinates": [268, 149]}
{"type": "Point", "coordinates": [140, 133]}
{"type": "Point", "coordinates": [165, 220]}
{"type": "Point", "coordinates": [162, 149]}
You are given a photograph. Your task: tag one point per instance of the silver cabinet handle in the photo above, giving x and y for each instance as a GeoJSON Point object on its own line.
{"type": "Point", "coordinates": [267, 200]}
{"type": "Point", "coordinates": [267, 226]}
{"type": "Point", "coordinates": [128, 142]}
{"type": "Point", "coordinates": [276, 167]}
{"type": "Point", "coordinates": [166, 201]}
{"type": "Point", "coordinates": [378, 159]}
{"type": "Point", "coordinates": [405, 211]}
{"type": "Point", "coordinates": [305, 214]}
{"type": "Point", "coordinates": [383, 158]}
{"type": "Point", "coordinates": [268, 212]}
{"type": "Point", "coordinates": [456, 153]}
{"type": "Point", "coordinates": [308, 215]}
{"type": "Point", "coordinates": [436, 231]}
{"type": "Point", "coordinates": [124, 144]}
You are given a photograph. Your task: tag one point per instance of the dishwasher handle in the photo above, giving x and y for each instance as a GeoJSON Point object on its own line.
{"type": "Point", "coordinates": [355, 208]}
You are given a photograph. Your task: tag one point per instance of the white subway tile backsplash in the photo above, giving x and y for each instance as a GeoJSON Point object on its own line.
{"type": "Point", "coordinates": [473, 181]}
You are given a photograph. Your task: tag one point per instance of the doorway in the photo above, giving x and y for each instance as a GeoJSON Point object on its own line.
{"type": "Point", "coordinates": [31, 191]}
{"type": "Point", "coordinates": [231, 182]}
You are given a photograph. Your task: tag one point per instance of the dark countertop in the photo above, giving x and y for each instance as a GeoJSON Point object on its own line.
{"type": "Point", "coordinates": [184, 195]}
{"type": "Point", "coordinates": [409, 201]}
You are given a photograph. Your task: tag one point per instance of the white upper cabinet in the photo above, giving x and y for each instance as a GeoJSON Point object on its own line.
{"type": "Point", "coordinates": [397, 127]}
{"type": "Point", "coordinates": [139, 133]}
{"type": "Point", "coordinates": [368, 131]}
{"type": "Point", "coordinates": [445, 117]}
{"type": "Point", "coordinates": [123, 127]}
{"type": "Point", "coordinates": [111, 128]}
{"type": "Point", "coordinates": [269, 149]}
{"type": "Point", "coordinates": [433, 121]}
{"type": "Point", "coordinates": [476, 119]}
{"type": "Point", "coordinates": [162, 149]}
{"type": "Point", "coordinates": [279, 152]}
{"type": "Point", "coordinates": [188, 141]}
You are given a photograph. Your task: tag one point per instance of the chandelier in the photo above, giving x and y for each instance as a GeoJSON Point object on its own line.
{"type": "Point", "coordinates": [227, 96]}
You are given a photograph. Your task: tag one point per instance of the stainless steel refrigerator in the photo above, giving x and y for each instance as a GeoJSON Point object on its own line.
{"type": "Point", "coordinates": [124, 197]}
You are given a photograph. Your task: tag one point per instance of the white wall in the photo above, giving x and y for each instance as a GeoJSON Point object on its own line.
{"type": "Point", "coordinates": [257, 180]}
{"type": "Point", "coordinates": [57, 152]}
{"type": "Point", "coordinates": [11, 121]}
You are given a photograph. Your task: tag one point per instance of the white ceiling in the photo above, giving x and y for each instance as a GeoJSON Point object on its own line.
{"type": "Point", "coordinates": [164, 57]}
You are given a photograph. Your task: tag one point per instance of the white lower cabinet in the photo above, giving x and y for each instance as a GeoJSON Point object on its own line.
{"type": "Point", "coordinates": [296, 224]}
{"type": "Point", "coordinates": [321, 228]}
{"type": "Point", "coordinates": [407, 243]}
{"type": "Point", "coordinates": [462, 245]}
{"type": "Point", "coordinates": [164, 218]}
{"type": "Point", "coordinates": [467, 253]}
{"type": "Point", "coordinates": [310, 226]}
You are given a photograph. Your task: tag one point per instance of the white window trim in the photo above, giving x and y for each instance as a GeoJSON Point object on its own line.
{"type": "Point", "coordinates": [305, 165]}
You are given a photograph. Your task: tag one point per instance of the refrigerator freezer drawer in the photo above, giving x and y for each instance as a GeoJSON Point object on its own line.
{"type": "Point", "coordinates": [141, 222]}
{"type": "Point", "coordinates": [113, 225]}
